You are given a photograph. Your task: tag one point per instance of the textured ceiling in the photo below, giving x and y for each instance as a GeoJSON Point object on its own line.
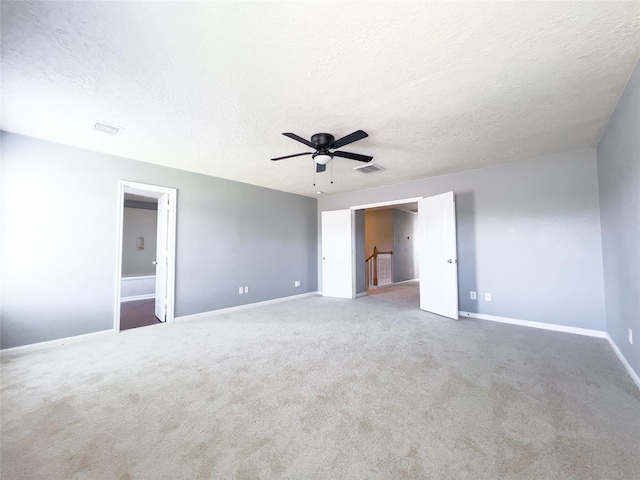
{"type": "Point", "coordinates": [209, 87]}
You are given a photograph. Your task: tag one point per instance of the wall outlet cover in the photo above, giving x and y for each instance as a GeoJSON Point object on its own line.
{"type": "Point", "coordinates": [297, 284]}
{"type": "Point", "coordinates": [240, 290]}
{"type": "Point", "coordinates": [487, 297]}
{"type": "Point", "coordinates": [473, 295]}
{"type": "Point", "coordinates": [246, 289]}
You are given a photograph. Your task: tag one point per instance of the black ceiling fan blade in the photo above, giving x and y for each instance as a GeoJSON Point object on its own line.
{"type": "Point", "coordinates": [320, 168]}
{"type": "Point", "coordinates": [353, 156]}
{"type": "Point", "coordinates": [352, 137]}
{"type": "Point", "coordinates": [293, 136]}
{"type": "Point", "coordinates": [290, 156]}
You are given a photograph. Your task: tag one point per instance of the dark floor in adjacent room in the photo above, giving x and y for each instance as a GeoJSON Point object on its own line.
{"type": "Point", "coordinates": [138, 313]}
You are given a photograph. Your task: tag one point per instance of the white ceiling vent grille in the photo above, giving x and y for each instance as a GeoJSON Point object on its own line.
{"type": "Point", "coordinates": [369, 168]}
{"type": "Point", "coordinates": [109, 129]}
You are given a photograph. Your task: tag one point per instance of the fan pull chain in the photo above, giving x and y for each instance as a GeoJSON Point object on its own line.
{"type": "Point", "coordinates": [314, 174]}
{"type": "Point", "coordinates": [331, 173]}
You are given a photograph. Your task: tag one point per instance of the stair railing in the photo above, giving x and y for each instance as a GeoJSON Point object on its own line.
{"type": "Point", "coordinates": [379, 268]}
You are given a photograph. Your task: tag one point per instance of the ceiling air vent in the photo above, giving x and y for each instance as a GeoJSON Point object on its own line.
{"type": "Point", "coordinates": [369, 168]}
{"type": "Point", "coordinates": [104, 128]}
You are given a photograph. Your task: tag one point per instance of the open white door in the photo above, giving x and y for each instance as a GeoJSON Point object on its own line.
{"type": "Point", "coordinates": [162, 258]}
{"type": "Point", "coordinates": [438, 255]}
{"type": "Point", "coordinates": [337, 254]}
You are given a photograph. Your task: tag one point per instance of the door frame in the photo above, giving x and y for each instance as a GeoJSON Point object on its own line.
{"type": "Point", "coordinates": [388, 203]}
{"type": "Point", "coordinates": [153, 191]}
{"type": "Point", "coordinates": [385, 204]}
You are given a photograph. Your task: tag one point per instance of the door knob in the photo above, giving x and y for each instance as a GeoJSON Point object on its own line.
{"type": "Point", "coordinates": [449, 261]}
{"type": "Point", "coordinates": [154, 262]}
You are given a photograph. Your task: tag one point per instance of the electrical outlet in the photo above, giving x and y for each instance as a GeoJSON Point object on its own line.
{"type": "Point", "coordinates": [487, 297]}
{"type": "Point", "coordinates": [240, 290]}
{"type": "Point", "coordinates": [297, 284]}
{"type": "Point", "coordinates": [631, 336]}
{"type": "Point", "coordinates": [246, 289]}
{"type": "Point", "coordinates": [473, 295]}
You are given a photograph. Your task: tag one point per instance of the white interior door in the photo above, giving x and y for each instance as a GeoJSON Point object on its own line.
{"type": "Point", "coordinates": [438, 255]}
{"type": "Point", "coordinates": [162, 258]}
{"type": "Point", "coordinates": [337, 254]}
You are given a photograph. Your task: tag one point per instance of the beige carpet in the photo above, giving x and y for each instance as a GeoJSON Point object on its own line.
{"type": "Point", "coordinates": [321, 388]}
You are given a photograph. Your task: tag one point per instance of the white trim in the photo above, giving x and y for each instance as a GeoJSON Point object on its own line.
{"type": "Point", "coordinates": [55, 343]}
{"type": "Point", "coordinates": [541, 325]}
{"type": "Point", "coordinates": [133, 298]}
{"type": "Point", "coordinates": [561, 328]}
{"type": "Point", "coordinates": [386, 204]}
{"type": "Point", "coordinates": [634, 376]}
{"type": "Point", "coordinates": [198, 316]}
{"type": "Point", "coordinates": [141, 277]}
{"type": "Point", "coordinates": [377, 287]}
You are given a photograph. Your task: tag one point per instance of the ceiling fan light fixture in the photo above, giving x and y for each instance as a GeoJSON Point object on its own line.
{"type": "Point", "coordinates": [322, 158]}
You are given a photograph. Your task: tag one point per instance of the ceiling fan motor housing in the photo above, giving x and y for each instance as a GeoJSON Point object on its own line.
{"type": "Point", "coordinates": [322, 139]}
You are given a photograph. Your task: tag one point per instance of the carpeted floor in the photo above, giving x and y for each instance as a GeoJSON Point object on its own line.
{"type": "Point", "coordinates": [320, 388]}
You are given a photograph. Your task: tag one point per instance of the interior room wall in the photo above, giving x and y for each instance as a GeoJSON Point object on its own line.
{"type": "Point", "coordinates": [528, 232]}
{"type": "Point", "coordinates": [619, 182]}
{"type": "Point", "coordinates": [403, 239]}
{"type": "Point", "coordinates": [378, 230]}
{"type": "Point", "coordinates": [139, 223]}
{"type": "Point", "coordinates": [59, 265]}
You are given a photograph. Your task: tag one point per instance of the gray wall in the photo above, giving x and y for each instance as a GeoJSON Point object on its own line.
{"type": "Point", "coordinates": [139, 222]}
{"type": "Point", "coordinates": [619, 181]}
{"type": "Point", "coordinates": [56, 285]}
{"type": "Point", "coordinates": [528, 233]}
{"type": "Point", "coordinates": [403, 245]}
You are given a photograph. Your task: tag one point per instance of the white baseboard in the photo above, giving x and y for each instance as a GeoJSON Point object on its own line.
{"type": "Point", "coordinates": [133, 298]}
{"type": "Point", "coordinates": [136, 278]}
{"type": "Point", "coordinates": [198, 316]}
{"type": "Point", "coordinates": [560, 328]}
{"type": "Point", "coordinates": [55, 343]}
{"type": "Point", "coordinates": [387, 285]}
{"type": "Point", "coordinates": [541, 325]}
{"type": "Point", "coordinates": [634, 376]}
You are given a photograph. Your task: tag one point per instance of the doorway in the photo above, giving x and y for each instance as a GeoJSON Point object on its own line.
{"type": "Point", "coordinates": [390, 252]}
{"type": "Point", "coordinates": [436, 250]}
{"type": "Point", "coordinates": [145, 279]}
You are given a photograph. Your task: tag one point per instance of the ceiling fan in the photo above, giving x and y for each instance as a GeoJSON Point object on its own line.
{"type": "Point", "coordinates": [322, 143]}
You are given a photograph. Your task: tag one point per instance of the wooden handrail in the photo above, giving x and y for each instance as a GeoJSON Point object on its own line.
{"type": "Point", "coordinates": [374, 255]}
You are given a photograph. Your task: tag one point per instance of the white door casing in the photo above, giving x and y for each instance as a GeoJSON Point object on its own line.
{"type": "Point", "coordinates": [167, 197]}
{"type": "Point", "coordinates": [162, 259]}
{"type": "Point", "coordinates": [438, 255]}
{"type": "Point", "coordinates": [337, 254]}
